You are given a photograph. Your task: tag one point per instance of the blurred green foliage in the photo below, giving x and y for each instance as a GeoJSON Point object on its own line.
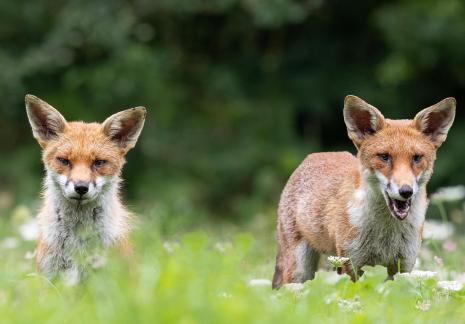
{"type": "Point", "coordinates": [238, 91]}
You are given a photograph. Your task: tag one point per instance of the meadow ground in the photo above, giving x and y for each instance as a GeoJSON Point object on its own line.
{"type": "Point", "coordinates": [221, 274]}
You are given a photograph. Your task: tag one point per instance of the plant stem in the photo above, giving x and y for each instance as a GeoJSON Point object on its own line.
{"type": "Point", "coordinates": [442, 211]}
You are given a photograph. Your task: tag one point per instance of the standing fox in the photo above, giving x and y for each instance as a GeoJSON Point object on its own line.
{"type": "Point", "coordinates": [82, 212]}
{"type": "Point", "coordinates": [369, 208]}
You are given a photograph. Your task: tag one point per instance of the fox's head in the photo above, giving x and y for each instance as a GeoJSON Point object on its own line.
{"type": "Point", "coordinates": [397, 156]}
{"type": "Point", "coordinates": [83, 160]}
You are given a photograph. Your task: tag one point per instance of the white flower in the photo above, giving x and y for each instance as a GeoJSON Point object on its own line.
{"type": "Point", "coordinates": [337, 262]}
{"type": "Point", "coordinates": [350, 305]}
{"type": "Point", "coordinates": [461, 278]}
{"type": "Point", "coordinates": [439, 261]}
{"type": "Point", "coordinates": [331, 278]}
{"type": "Point", "coordinates": [224, 295]}
{"type": "Point", "coordinates": [418, 274]}
{"type": "Point", "coordinates": [219, 247]}
{"type": "Point", "coordinates": [170, 247]}
{"type": "Point", "coordinates": [450, 285]}
{"type": "Point", "coordinates": [9, 243]}
{"type": "Point", "coordinates": [20, 214]}
{"type": "Point", "coordinates": [29, 255]}
{"type": "Point", "coordinates": [222, 247]}
{"type": "Point", "coordinates": [423, 274]}
{"type": "Point", "coordinates": [423, 305]}
{"type": "Point", "coordinates": [294, 287]}
{"type": "Point", "coordinates": [298, 289]}
{"type": "Point", "coordinates": [29, 230]}
{"type": "Point", "coordinates": [260, 283]}
{"type": "Point", "coordinates": [330, 298]}
{"type": "Point", "coordinates": [437, 231]}
{"type": "Point", "coordinates": [380, 288]}
{"type": "Point", "coordinates": [456, 193]}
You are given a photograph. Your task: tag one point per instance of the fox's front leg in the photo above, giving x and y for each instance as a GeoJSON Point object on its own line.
{"type": "Point", "coordinates": [45, 261]}
{"type": "Point", "coordinates": [50, 260]}
{"type": "Point", "coordinates": [350, 267]}
{"type": "Point", "coordinates": [400, 266]}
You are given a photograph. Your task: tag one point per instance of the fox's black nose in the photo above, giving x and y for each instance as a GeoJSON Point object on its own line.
{"type": "Point", "coordinates": [406, 191]}
{"type": "Point", "coordinates": [81, 188]}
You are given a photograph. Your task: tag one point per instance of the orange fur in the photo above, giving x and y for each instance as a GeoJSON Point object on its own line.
{"type": "Point", "coordinates": [81, 205]}
{"type": "Point", "coordinates": [334, 203]}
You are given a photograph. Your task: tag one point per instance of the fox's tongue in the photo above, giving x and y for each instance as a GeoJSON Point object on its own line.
{"type": "Point", "coordinates": [401, 208]}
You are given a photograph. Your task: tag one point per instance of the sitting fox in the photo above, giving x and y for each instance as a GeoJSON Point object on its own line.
{"type": "Point", "coordinates": [81, 211]}
{"type": "Point", "coordinates": [368, 208]}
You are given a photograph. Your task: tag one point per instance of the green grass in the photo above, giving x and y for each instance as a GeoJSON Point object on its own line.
{"type": "Point", "coordinates": [204, 277]}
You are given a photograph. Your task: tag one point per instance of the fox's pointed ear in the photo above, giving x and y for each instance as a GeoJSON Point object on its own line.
{"type": "Point", "coordinates": [46, 122]}
{"type": "Point", "coordinates": [124, 127]}
{"type": "Point", "coordinates": [362, 119]}
{"type": "Point", "coordinates": [435, 121]}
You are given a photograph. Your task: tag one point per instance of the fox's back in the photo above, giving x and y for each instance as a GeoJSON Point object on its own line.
{"type": "Point", "coordinates": [319, 188]}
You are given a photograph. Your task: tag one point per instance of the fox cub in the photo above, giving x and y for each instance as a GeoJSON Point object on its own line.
{"type": "Point", "coordinates": [369, 208]}
{"type": "Point", "coordinates": [81, 213]}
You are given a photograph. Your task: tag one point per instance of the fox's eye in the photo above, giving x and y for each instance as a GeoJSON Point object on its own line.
{"type": "Point", "coordinates": [386, 158]}
{"type": "Point", "coordinates": [417, 158]}
{"type": "Point", "coordinates": [99, 163]}
{"type": "Point", "coordinates": [63, 161]}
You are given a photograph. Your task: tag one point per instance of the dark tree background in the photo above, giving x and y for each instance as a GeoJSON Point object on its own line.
{"type": "Point", "coordinates": [238, 91]}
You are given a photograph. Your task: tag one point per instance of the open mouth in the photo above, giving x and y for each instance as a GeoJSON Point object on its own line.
{"type": "Point", "coordinates": [399, 208]}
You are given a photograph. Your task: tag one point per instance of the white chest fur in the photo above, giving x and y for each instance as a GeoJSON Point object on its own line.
{"type": "Point", "coordinates": [382, 239]}
{"type": "Point", "coordinates": [77, 233]}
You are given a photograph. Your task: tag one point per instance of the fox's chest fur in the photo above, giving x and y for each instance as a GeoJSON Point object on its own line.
{"type": "Point", "coordinates": [77, 229]}
{"type": "Point", "coordinates": [381, 239]}
{"type": "Point", "coordinates": [72, 235]}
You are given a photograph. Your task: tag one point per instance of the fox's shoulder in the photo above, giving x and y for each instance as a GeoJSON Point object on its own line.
{"type": "Point", "coordinates": [326, 170]}
{"type": "Point", "coordinates": [332, 156]}
{"type": "Point", "coordinates": [331, 161]}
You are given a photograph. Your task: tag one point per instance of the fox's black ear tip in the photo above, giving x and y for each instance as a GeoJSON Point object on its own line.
{"type": "Point", "coordinates": [351, 100]}
{"type": "Point", "coordinates": [451, 101]}
{"type": "Point", "coordinates": [29, 97]}
{"type": "Point", "coordinates": [349, 97]}
{"type": "Point", "coordinates": [141, 110]}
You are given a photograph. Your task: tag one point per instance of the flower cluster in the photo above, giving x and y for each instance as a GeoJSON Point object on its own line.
{"type": "Point", "coordinates": [456, 193]}
{"type": "Point", "coordinates": [337, 262]}
{"type": "Point", "coordinates": [450, 285]}
{"type": "Point", "coordinates": [438, 231]}
{"type": "Point", "coordinates": [418, 274]}
{"type": "Point", "coordinates": [260, 282]}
